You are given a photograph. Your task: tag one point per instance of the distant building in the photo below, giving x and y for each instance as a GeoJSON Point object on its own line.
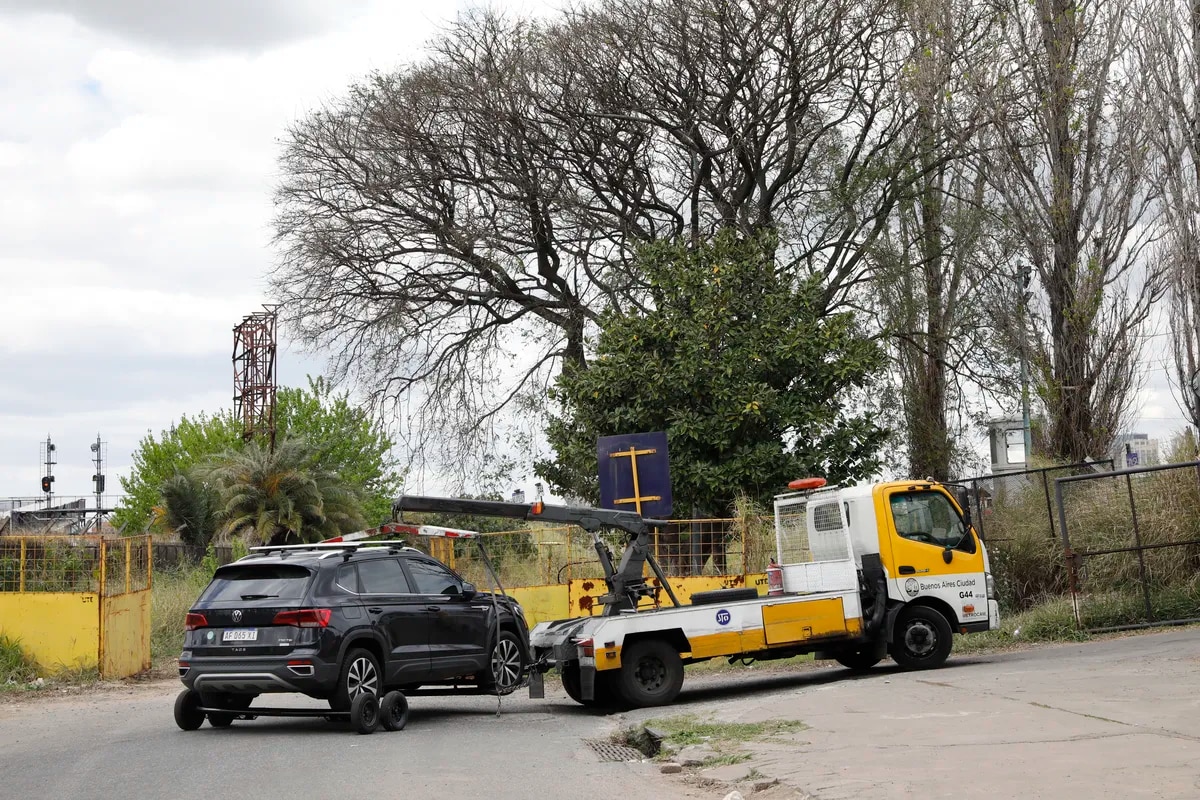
{"type": "Point", "coordinates": [1134, 450]}
{"type": "Point", "coordinates": [1007, 439]}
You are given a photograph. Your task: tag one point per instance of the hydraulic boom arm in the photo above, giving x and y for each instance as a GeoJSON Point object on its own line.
{"type": "Point", "coordinates": [626, 583]}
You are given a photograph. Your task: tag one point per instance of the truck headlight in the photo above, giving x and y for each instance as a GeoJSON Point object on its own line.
{"type": "Point", "coordinates": [990, 584]}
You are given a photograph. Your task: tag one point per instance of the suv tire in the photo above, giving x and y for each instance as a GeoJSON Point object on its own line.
{"type": "Point", "coordinates": [360, 673]}
{"type": "Point", "coordinates": [506, 667]}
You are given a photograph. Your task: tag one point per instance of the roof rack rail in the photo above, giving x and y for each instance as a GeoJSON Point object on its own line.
{"type": "Point", "coordinates": [317, 546]}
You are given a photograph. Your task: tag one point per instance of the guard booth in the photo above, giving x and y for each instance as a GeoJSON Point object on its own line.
{"type": "Point", "coordinates": [78, 602]}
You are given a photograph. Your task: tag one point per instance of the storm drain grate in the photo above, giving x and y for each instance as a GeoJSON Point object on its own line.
{"type": "Point", "coordinates": [609, 751]}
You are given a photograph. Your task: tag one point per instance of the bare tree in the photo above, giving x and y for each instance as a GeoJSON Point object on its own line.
{"type": "Point", "coordinates": [1070, 167]}
{"type": "Point", "coordinates": [938, 266]}
{"type": "Point", "coordinates": [452, 231]}
{"type": "Point", "coordinates": [1169, 53]}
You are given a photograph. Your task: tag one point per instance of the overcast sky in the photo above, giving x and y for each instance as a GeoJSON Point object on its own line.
{"type": "Point", "coordinates": [137, 155]}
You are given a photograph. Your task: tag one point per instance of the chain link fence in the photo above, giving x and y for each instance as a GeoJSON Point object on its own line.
{"type": "Point", "coordinates": [1015, 515]}
{"type": "Point", "coordinates": [1131, 546]}
{"type": "Point", "coordinates": [79, 564]}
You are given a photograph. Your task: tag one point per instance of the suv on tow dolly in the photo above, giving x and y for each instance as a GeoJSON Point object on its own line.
{"type": "Point", "coordinates": [332, 621]}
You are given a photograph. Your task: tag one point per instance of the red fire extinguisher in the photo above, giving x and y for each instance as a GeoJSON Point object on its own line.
{"type": "Point", "coordinates": [774, 578]}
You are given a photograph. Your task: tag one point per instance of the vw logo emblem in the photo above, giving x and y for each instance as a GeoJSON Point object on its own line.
{"type": "Point", "coordinates": [237, 615]}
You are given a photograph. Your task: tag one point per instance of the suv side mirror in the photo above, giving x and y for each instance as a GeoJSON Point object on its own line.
{"type": "Point", "coordinates": [468, 591]}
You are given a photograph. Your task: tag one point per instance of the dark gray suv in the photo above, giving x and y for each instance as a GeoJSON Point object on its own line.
{"type": "Point", "coordinates": [332, 622]}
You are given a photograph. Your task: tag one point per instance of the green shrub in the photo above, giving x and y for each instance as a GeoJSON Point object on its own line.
{"type": "Point", "coordinates": [173, 594]}
{"type": "Point", "coordinates": [15, 665]}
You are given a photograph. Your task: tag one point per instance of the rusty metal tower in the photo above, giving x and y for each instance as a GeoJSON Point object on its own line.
{"type": "Point", "coordinates": [254, 374]}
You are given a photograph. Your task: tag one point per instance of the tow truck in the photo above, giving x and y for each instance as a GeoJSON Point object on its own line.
{"type": "Point", "coordinates": [859, 573]}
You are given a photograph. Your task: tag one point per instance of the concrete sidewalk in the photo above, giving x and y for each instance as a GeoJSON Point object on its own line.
{"type": "Point", "coordinates": [1112, 719]}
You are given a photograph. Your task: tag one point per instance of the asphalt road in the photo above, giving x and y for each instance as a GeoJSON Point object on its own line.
{"type": "Point", "coordinates": [1109, 719]}
{"type": "Point", "coordinates": [123, 744]}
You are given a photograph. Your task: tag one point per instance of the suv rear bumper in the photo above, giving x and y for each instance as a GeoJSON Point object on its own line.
{"type": "Point", "coordinates": [259, 676]}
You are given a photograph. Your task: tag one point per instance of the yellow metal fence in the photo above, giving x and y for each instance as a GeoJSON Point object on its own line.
{"type": "Point", "coordinates": [78, 602]}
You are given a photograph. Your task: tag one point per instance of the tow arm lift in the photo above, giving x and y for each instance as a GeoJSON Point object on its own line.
{"type": "Point", "coordinates": [625, 581]}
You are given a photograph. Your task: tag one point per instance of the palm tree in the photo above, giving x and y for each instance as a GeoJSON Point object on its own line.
{"type": "Point", "coordinates": [281, 496]}
{"type": "Point", "coordinates": [190, 507]}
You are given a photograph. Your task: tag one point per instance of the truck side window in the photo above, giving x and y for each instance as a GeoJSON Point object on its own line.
{"type": "Point", "coordinates": [928, 517]}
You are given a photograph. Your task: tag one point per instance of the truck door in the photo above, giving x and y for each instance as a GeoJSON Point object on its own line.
{"type": "Point", "coordinates": [922, 526]}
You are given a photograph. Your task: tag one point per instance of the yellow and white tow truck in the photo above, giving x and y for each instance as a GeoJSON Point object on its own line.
{"type": "Point", "coordinates": [890, 568]}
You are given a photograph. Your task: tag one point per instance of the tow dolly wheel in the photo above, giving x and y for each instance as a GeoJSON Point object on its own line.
{"type": "Point", "coordinates": [188, 715]}
{"type": "Point", "coordinates": [393, 711]}
{"type": "Point", "coordinates": [364, 713]}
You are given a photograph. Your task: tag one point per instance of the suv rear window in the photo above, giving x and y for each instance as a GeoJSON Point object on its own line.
{"type": "Point", "coordinates": [257, 582]}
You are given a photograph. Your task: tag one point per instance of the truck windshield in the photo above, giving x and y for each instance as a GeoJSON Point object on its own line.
{"type": "Point", "coordinates": [928, 517]}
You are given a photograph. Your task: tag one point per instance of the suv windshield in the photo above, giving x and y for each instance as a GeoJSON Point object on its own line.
{"type": "Point", "coordinates": [257, 581]}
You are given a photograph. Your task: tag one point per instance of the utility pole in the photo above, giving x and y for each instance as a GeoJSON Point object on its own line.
{"type": "Point", "coordinates": [97, 447]}
{"type": "Point", "coordinates": [1023, 277]}
{"type": "Point", "coordinates": [48, 460]}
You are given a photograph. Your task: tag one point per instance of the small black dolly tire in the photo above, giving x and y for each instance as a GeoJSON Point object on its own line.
{"type": "Point", "coordinates": [364, 713]}
{"type": "Point", "coordinates": [188, 715]}
{"type": "Point", "coordinates": [393, 711]}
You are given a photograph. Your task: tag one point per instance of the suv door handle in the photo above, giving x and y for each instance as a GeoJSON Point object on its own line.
{"type": "Point", "coordinates": [433, 608]}
{"type": "Point", "coordinates": [375, 610]}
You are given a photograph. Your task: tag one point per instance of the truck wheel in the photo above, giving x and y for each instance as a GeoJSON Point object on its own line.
{"type": "Point", "coordinates": [359, 674]}
{"type": "Point", "coordinates": [922, 639]}
{"type": "Point", "coordinates": [188, 715]}
{"type": "Point", "coordinates": [651, 674]}
{"type": "Point", "coordinates": [859, 660]}
{"type": "Point", "coordinates": [603, 694]}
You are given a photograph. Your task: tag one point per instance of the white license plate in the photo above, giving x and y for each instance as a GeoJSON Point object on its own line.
{"type": "Point", "coordinates": [240, 635]}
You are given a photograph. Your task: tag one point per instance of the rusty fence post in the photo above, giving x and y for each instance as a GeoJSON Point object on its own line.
{"type": "Point", "coordinates": [1141, 553]}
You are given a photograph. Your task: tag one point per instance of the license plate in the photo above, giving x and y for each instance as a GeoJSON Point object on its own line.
{"type": "Point", "coordinates": [240, 635]}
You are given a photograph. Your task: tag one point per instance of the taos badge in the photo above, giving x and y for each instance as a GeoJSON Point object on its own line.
{"type": "Point", "coordinates": [912, 587]}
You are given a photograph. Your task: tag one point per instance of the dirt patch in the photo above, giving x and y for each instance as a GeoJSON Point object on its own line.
{"type": "Point", "coordinates": [54, 692]}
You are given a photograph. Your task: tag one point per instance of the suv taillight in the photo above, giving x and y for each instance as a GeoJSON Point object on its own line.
{"type": "Point", "coordinates": [193, 621]}
{"type": "Point", "coordinates": [304, 617]}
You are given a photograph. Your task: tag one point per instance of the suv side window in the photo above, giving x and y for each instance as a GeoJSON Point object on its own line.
{"type": "Point", "coordinates": [346, 579]}
{"type": "Point", "coordinates": [382, 576]}
{"type": "Point", "coordinates": [928, 517]}
{"type": "Point", "coordinates": [433, 578]}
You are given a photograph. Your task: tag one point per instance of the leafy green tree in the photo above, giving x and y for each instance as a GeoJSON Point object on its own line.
{"type": "Point", "coordinates": [173, 452]}
{"type": "Point", "coordinates": [340, 437]}
{"type": "Point", "coordinates": [344, 440]}
{"type": "Point", "coordinates": [281, 496]}
{"type": "Point", "coordinates": [752, 383]}
{"type": "Point", "coordinates": [191, 507]}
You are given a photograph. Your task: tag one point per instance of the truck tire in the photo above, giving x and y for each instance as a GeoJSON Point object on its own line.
{"type": "Point", "coordinates": [859, 660]}
{"type": "Point", "coordinates": [921, 639]}
{"type": "Point", "coordinates": [602, 691]}
{"type": "Point", "coordinates": [723, 596]}
{"type": "Point", "coordinates": [651, 674]}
